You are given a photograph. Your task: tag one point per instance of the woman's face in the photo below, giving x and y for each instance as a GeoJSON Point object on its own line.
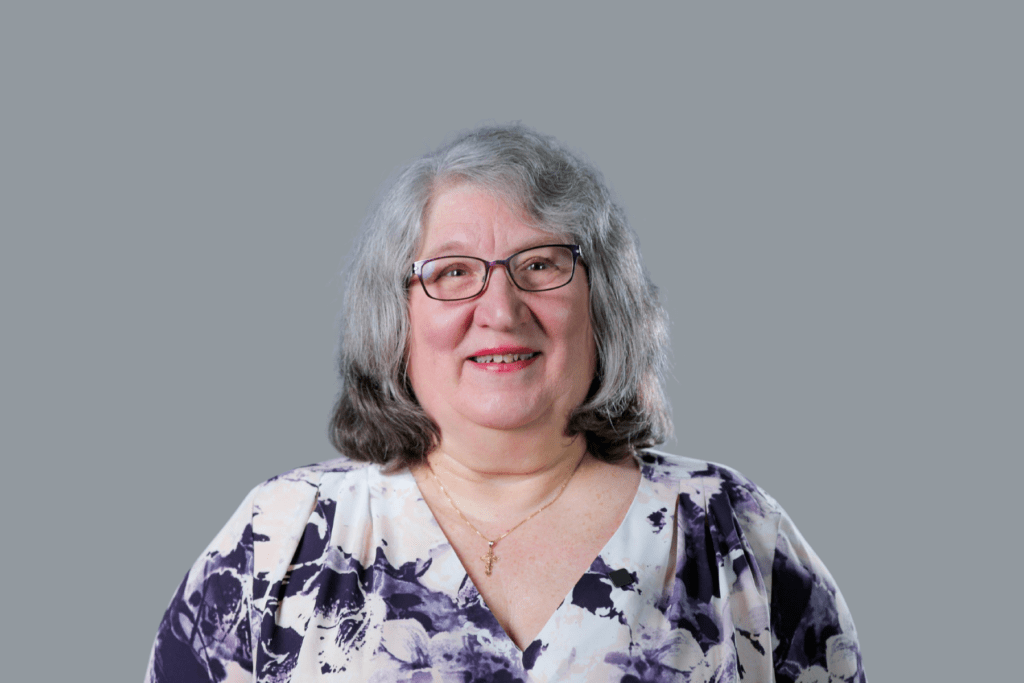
{"type": "Point", "coordinates": [452, 343]}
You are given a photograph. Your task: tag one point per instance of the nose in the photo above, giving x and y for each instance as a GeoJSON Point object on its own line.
{"type": "Point", "coordinates": [500, 304]}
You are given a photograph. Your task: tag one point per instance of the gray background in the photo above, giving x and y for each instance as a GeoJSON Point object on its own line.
{"type": "Point", "coordinates": [828, 196]}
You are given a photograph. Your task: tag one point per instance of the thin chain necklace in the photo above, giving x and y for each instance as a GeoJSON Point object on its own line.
{"type": "Point", "coordinates": [490, 558]}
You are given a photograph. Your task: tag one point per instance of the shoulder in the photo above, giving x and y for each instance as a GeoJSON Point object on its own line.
{"type": "Point", "coordinates": [717, 499]}
{"type": "Point", "coordinates": [313, 474]}
{"type": "Point", "coordinates": [730, 523]}
{"type": "Point", "coordinates": [294, 486]}
{"type": "Point", "coordinates": [703, 480]}
{"type": "Point", "coordinates": [291, 521]}
{"type": "Point", "coordinates": [207, 631]}
{"type": "Point", "coordinates": [283, 505]}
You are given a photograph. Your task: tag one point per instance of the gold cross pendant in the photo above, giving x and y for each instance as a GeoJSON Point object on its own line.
{"type": "Point", "coordinates": [490, 558]}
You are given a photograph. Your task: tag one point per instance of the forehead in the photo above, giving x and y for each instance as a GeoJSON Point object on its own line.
{"type": "Point", "coordinates": [467, 218]}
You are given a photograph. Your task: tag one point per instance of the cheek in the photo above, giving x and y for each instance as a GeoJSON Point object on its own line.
{"type": "Point", "coordinates": [437, 332]}
{"type": "Point", "coordinates": [434, 331]}
{"type": "Point", "coordinates": [581, 323]}
{"type": "Point", "coordinates": [588, 344]}
{"type": "Point", "coordinates": [580, 346]}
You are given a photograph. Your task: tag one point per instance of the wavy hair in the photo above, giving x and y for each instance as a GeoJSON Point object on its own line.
{"type": "Point", "coordinates": [377, 418]}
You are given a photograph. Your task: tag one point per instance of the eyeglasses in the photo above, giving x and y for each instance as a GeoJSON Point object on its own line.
{"type": "Point", "coordinates": [537, 269]}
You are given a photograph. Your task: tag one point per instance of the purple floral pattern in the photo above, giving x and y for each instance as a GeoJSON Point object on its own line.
{"type": "Point", "coordinates": [339, 572]}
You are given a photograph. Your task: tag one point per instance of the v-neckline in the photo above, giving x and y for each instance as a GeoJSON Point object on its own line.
{"type": "Point", "coordinates": [455, 580]}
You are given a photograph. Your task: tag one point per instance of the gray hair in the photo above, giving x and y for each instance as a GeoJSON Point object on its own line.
{"type": "Point", "coordinates": [377, 417]}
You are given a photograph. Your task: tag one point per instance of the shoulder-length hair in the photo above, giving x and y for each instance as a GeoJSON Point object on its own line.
{"type": "Point", "coordinates": [377, 417]}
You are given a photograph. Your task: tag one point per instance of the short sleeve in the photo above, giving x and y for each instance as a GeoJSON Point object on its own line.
{"type": "Point", "coordinates": [814, 638]}
{"type": "Point", "coordinates": [205, 633]}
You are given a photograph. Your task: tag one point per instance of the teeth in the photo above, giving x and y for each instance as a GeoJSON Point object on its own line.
{"type": "Point", "coordinates": [505, 358]}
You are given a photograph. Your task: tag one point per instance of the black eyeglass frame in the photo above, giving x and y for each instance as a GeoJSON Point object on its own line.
{"type": "Point", "coordinates": [577, 255]}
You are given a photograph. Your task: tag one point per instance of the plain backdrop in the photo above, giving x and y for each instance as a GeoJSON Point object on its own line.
{"type": "Point", "coordinates": [829, 196]}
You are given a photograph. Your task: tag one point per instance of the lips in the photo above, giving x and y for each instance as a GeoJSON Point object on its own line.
{"type": "Point", "coordinates": [504, 355]}
{"type": "Point", "coordinates": [504, 358]}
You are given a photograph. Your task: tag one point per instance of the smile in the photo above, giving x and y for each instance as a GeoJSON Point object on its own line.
{"type": "Point", "coordinates": [504, 358]}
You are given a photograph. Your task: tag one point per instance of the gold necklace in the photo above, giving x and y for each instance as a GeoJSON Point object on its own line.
{"type": "Point", "coordinates": [490, 558]}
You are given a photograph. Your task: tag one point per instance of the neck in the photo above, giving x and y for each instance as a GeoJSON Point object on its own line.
{"type": "Point", "coordinates": [507, 478]}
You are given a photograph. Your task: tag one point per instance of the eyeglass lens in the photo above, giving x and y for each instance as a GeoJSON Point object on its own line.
{"type": "Point", "coordinates": [462, 277]}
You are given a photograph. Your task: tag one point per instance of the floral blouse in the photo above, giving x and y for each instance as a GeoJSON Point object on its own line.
{"type": "Point", "coordinates": [339, 572]}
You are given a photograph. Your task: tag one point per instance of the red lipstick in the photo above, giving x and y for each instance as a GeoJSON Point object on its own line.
{"type": "Point", "coordinates": [494, 359]}
{"type": "Point", "coordinates": [502, 350]}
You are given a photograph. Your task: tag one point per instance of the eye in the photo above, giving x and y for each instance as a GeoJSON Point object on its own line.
{"type": "Point", "coordinates": [536, 264]}
{"type": "Point", "coordinates": [453, 271]}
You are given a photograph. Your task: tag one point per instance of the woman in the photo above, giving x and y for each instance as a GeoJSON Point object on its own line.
{"type": "Point", "coordinates": [497, 514]}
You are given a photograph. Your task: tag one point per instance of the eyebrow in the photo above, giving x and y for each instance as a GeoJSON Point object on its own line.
{"type": "Point", "coordinates": [449, 248]}
{"type": "Point", "coordinates": [450, 245]}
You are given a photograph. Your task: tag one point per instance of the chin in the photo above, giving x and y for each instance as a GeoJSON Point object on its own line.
{"type": "Point", "coordinates": [507, 423]}
{"type": "Point", "coordinates": [502, 417]}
